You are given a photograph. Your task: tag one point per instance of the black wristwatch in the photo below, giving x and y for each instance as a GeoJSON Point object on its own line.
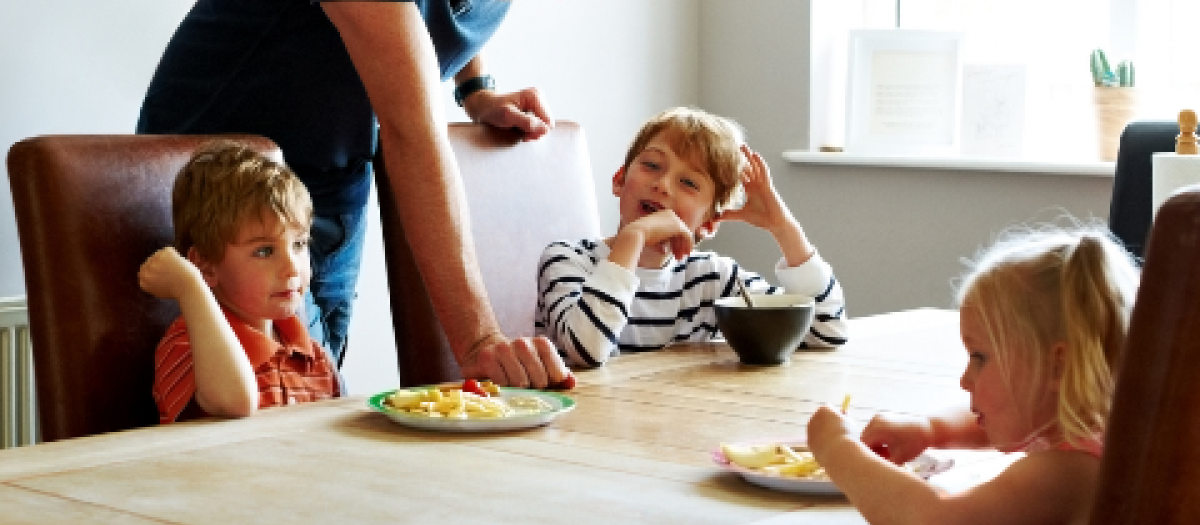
{"type": "Point", "coordinates": [471, 85]}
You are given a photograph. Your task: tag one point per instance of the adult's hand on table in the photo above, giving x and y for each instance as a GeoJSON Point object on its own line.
{"type": "Point", "coordinates": [525, 362]}
{"type": "Point", "coordinates": [522, 110]}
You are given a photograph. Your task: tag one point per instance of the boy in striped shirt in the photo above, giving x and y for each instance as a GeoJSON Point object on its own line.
{"type": "Point", "coordinates": [645, 287]}
{"type": "Point", "coordinates": [242, 221]}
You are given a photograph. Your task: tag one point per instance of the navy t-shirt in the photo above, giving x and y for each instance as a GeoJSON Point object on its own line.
{"type": "Point", "coordinates": [278, 68]}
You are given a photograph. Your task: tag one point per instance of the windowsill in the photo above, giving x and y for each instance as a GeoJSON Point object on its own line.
{"type": "Point", "coordinates": [1057, 167]}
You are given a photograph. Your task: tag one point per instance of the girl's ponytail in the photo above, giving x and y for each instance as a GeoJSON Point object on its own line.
{"type": "Point", "coordinates": [1095, 304]}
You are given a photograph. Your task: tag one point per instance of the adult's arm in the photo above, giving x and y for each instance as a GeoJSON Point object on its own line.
{"type": "Point", "coordinates": [395, 58]}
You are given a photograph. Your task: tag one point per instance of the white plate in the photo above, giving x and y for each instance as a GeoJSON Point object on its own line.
{"type": "Point", "coordinates": [924, 466]}
{"type": "Point", "coordinates": [559, 403]}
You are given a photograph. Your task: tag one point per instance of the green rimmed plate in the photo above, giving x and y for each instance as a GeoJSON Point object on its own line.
{"type": "Point", "coordinates": [559, 405]}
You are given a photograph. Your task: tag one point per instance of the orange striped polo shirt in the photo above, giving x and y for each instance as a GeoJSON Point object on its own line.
{"type": "Point", "coordinates": [293, 372]}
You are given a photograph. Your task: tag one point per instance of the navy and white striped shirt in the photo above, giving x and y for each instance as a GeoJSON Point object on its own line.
{"type": "Point", "coordinates": [594, 309]}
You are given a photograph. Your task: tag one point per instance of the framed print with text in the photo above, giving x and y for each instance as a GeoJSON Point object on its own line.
{"type": "Point", "coordinates": [904, 92]}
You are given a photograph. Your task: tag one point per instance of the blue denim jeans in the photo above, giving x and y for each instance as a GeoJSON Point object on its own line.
{"type": "Point", "coordinates": [335, 249]}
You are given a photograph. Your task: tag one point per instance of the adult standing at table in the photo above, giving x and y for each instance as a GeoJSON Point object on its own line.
{"type": "Point", "coordinates": [316, 77]}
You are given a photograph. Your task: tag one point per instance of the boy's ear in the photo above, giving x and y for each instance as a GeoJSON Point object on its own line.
{"type": "Point", "coordinates": [618, 181]}
{"type": "Point", "coordinates": [709, 228]}
{"type": "Point", "coordinates": [206, 268]}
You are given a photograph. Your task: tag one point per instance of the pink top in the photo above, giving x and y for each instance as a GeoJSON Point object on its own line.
{"type": "Point", "coordinates": [1093, 445]}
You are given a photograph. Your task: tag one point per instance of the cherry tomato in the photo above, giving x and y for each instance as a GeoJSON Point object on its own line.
{"type": "Point", "coordinates": [472, 386]}
{"type": "Point", "coordinates": [565, 384]}
{"type": "Point", "coordinates": [881, 450]}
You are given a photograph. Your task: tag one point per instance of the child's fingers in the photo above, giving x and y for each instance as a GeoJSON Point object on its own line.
{"type": "Point", "coordinates": [681, 246]}
{"type": "Point", "coordinates": [756, 166]}
{"type": "Point", "coordinates": [748, 170]}
{"type": "Point", "coordinates": [731, 216]}
{"type": "Point", "coordinates": [823, 425]}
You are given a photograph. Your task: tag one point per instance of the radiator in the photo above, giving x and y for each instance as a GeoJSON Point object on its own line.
{"type": "Point", "coordinates": [18, 407]}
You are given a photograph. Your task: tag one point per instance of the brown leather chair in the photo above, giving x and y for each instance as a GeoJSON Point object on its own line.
{"type": "Point", "coordinates": [522, 195]}
{"type": "Point", "coordinates": [89, 210]}
{"type": "Point", "coordinates": [1151, 467]}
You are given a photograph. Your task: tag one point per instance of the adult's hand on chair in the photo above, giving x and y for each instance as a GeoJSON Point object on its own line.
{"type": "Point", "coordinates": [168, 275]}
{"type": "Point", "coordinates": [522, 110]}
{"type": "Point", "coordinates": [525, 362]}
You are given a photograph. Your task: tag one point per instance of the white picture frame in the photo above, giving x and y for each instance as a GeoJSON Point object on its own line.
{"type": "Point", "coordinates": [904, 92]}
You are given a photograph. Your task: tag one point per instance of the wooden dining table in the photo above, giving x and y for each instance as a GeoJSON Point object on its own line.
{"type": "Point", "coordinates": [636, 449]}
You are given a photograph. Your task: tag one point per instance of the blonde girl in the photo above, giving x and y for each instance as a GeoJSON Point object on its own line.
{"type": "Point", "coordinates": [1043, 317]}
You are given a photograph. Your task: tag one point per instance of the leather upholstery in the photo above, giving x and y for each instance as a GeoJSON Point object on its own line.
{"type": "Point", "coordinates": [522, 195]}
{"type": "Point", "coordinates": [1131, 210]}
{"type": "Point", "coordinates": [1150, 472]}
{"type": "Point", "coordinates": [89, 210]}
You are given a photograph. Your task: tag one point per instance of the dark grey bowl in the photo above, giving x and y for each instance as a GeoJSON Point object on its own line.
{"type": "Point", "coordinates": [768, 333]}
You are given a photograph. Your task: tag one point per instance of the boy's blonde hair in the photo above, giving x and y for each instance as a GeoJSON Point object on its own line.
{"type": "Point", "coordinates": [710, 143]}
{"type": "Point", "coordinates": [226, 184]}
{"type": "Point", "coordinates": [1037, 287]}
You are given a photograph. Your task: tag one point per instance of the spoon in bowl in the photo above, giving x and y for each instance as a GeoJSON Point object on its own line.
{"type": "Point", "coordinates": [745, 294]}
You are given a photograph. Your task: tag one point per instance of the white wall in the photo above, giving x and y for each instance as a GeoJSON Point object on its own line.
{"type": "Point", "coordinates": [72, 66]}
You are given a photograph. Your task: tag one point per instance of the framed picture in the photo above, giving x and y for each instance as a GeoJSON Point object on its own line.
{"type": "Point", "coordinates": [904, 90]}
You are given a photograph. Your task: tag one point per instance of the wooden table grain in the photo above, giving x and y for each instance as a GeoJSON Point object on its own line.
{"type": "Point", "coordinates": [637, 449]}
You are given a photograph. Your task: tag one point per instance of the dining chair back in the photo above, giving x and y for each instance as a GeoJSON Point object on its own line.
{"type": "Point", "coordinates": [1150, 472]}
{"type": "Point", "coordinates": [522, 196]}
{"type": "Point", "coordinates": [1130, 209]}
{"type": "Point", "coordinates": [89, 210]}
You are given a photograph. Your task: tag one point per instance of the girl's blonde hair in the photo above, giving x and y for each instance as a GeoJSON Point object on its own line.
{"type": "Point", "coordinates": [710, 143]}
{"type": "Point", "coordinates": [226, 184]}
{"type": "Point", "coordinates": [1037, 287]}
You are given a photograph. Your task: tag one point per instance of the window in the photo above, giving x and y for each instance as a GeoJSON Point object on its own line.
{"type": "Point", "coordinates": [1052, 41]}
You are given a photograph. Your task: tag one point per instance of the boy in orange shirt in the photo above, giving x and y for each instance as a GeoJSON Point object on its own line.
{"type": "Point", "coordinates": [242, 221]}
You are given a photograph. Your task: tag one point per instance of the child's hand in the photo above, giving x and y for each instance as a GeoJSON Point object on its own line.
{"type": "Point", "coordinates": [665, 232]}
{"type": "Point", "coordinates": [825, 427]}
{"type": "Point", "coordinates": [168, 275]}
{"type": "Point", "coordinates": [904, 438]}
{"type": "Point", "coordinates": [764, 208]}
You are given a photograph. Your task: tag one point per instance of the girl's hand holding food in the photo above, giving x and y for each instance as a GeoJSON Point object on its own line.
{"type": "Point", "coordinates": [825, 428]}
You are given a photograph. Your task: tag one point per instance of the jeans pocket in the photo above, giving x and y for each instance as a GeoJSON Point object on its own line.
{"type": "Point", "coordinates": [326, 236]}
